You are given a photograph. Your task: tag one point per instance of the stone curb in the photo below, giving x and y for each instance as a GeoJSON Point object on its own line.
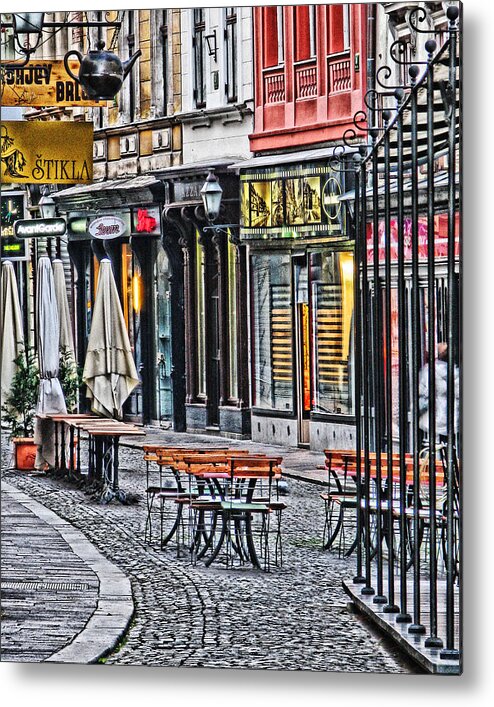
{"type": "Point", "coordinates": [115, 607]}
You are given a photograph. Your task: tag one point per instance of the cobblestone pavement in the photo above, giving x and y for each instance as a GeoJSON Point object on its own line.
{"type": "Point", "coordinates": [294, 617]}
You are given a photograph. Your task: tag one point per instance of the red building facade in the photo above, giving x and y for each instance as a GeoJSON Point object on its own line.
{"type": "Point", "coordinates": [310, 73]}
{"type": "Point", "coordinates": [310, 78]}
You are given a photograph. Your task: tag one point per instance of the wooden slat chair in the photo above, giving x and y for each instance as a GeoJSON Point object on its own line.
{"type": "Point", "coordinates": [168, 485]}
{"type": "Point", "coordinates": [237, 510]}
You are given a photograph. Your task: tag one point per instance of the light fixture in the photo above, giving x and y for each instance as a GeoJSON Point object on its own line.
{"type": "Point", "coordinates": [211, 196]}
{"type": "Point", "coordinates": [212, 44]}
{"type": "Point", "coordinates": [47, 206]}
{"type": "Point", "coordinates": [30, 24]}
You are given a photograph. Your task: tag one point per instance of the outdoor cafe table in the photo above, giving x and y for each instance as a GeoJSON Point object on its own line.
{"type": "Point", "coordinates": [102, 432]}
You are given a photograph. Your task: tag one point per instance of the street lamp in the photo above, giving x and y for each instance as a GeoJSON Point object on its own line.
{"type": "Point", "coordinates": [31, 24]}
{"type": "Point", "coordinates": [211, 196]}
{"type": "Point", "coordinates": [47, 206]}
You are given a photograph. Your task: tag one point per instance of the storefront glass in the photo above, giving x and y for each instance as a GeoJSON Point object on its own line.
{"type": "Point", "coordinates": [273, 337]}
{"type": "Point", "coordinates": [232, 320]}
{"type": "Point", "coordinates": [201, 318]}
{"type": "Point", "coordinates": [331, 277]}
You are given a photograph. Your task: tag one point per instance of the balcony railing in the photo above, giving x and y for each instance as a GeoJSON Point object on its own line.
{"type": "Point", "coordinates": [306, 80]}
{"type": "Point", "coordinates": [339, 74]}
{"type": "Point", "coordinates": [274, 86]}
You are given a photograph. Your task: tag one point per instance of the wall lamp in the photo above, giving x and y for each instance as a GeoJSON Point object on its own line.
{"type": "Point", "coordinates": [211, 194]}
{"type": "Point", "coordinates": [212, 44]}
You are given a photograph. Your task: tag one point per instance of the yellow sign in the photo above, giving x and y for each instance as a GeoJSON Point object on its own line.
{"type": "Point", "coordinates": [46, 153]}
{"type": "Point", "coordinates": [41, 83]}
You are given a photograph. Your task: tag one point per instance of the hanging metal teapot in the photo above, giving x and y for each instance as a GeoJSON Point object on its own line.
{"type": "Point", "coordinates": [101, 73]}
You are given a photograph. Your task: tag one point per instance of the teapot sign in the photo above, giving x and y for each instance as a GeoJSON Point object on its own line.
{"type": "Point", "coordinates": [105, 228]}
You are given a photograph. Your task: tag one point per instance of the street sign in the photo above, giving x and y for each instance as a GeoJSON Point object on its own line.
{"type": "Point", "coordinates": [42, 83]}
{"type": "Point", "coordinates": [40, 227]}
{"type": "Point", "coordinates": [46, 153]}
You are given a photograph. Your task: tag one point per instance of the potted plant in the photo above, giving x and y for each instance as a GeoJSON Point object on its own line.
{"type": "Point", "coordinates": [70, 377]}
{"type": "Point", "coordinates": [19, 409]}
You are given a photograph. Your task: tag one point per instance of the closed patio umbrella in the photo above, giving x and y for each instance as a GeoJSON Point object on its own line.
{"type": "Point", "coordinates": [109, 369]}
{"type": "Point", "coordinates": [51, 399]}
{"type": "Point", "coordinates": [66, 336]}
{"type": "Point", "coordinates": [11, 333]}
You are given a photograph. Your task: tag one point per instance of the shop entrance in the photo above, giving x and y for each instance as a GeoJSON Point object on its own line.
{"type": "Point", "coordinates": [163, 381]}
{"type": "Point", "coordinates": [302, 350]}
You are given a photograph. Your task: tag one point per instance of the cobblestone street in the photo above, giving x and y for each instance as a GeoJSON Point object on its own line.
{"type": "Point", "coordinates": [294, 617]}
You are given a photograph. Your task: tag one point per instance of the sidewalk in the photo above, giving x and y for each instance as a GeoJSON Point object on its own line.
{"type": "Point", "coordinates": [62, 601]}
{"type": "Point", "coordinates": [298, 463]}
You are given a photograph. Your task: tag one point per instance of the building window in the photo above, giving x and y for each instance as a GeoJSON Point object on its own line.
{"type": "Point", "coordinates": [273, 36]}
{"type": "Point", "coordinates": [163, 39]}
{"type": "Point", "coordinates": [199, 47]}
{"type": "Point", "coordinates": [273, 335]}
{"type": "Point", "coordinates": [200, 318]}
{"type": "Point", "coordinates": [305, 32]}
{"type": "Point", "coordinates": [231, 89]}
{"type": "Point", "coordinates": [332, 319]}
{"type": "Point", "coordinates": [338, 28]}
{"type": "Point", "coordinates": [232, 319]}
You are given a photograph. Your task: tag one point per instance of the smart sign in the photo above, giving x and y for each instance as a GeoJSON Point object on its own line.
{"type": "Point", "coordinates": [40, 227]}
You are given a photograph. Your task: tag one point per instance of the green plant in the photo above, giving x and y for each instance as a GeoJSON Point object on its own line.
{"type": "Point", "coordinates": [19, 409]}
{"type": "Point", "coordinates": [70, 377]}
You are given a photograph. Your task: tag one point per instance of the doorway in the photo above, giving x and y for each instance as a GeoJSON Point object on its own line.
{"type": "Point", "coordinates": [302, 368]}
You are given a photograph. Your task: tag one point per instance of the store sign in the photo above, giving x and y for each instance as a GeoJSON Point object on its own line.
{"type": "Point", "coordinates": [40, 227]}
{"type": "Point", "coordinates": [12, 209]}
{"type": "Point", "coordinates": [41, 83]}
{"type": "Point", "coordinates": [108, 227]}
{"type": "Point", "coordinates": [291, 202]}
{"type": "Point", "coordinates": [46, 152]}
{"type": "Point", "coordinates": [146, 221]}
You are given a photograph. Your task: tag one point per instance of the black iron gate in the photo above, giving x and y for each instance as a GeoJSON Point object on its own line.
{"type": "Point", "coordinates": [408, 329]}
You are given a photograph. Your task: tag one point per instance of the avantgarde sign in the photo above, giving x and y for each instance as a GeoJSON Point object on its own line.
{"type": "Point", "coordinates": [46, 153]}
{"type": "Point", "coordinates": [39, 227]}
{"type": "Point", "coordinates": [43, 83]}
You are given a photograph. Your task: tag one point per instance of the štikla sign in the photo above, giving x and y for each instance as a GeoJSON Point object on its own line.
{"type": "Point", "coordinates": [43, 83]}
{"type": "Point", "coordinates": [33, 152]}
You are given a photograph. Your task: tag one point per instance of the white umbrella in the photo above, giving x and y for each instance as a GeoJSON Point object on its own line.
{"type": "Point", "coordinates": [11, 332]}
{"type": "Point", "coordinates": [109, 369]}
{"type": "Point", "coordinates": [50, 399]}
{"type": "Point", "coordinates": [66, 336]}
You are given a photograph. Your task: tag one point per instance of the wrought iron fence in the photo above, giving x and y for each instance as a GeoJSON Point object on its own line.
{"type": "Point", "coordinates": [408, 350]}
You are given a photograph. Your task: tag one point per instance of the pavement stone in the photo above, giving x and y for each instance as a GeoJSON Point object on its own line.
{"type": "Point", "coordinates": [292, 618]}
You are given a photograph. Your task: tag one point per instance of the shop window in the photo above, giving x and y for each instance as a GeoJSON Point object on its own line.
{"type": "Point", "coordinates": [273, 337]}
{"type": "Point", "coordinates": [332, 322]}
{"type": "Point", "coordinates": [231, 84]}
{"type": "Point", "coordinates": [338, 28]}
{"type": "Point", "coordinates": [200, 318]}
{"type": "Point", "coordinates": [232, 319]}
{"type": "Point", "coordinates": [273, 36]}
{"type": "Point", "coordinates": [199, 50]}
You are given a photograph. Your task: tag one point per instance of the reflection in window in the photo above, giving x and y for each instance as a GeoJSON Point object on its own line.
{"type": "Point", "coordinates": [231, 54]}
{"type": "Point", "coordinates": [199, 46]}
{"type": "Point", "coordinates": [332, 319]}
{"type": "Point", "coordinates": [273, 341]}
